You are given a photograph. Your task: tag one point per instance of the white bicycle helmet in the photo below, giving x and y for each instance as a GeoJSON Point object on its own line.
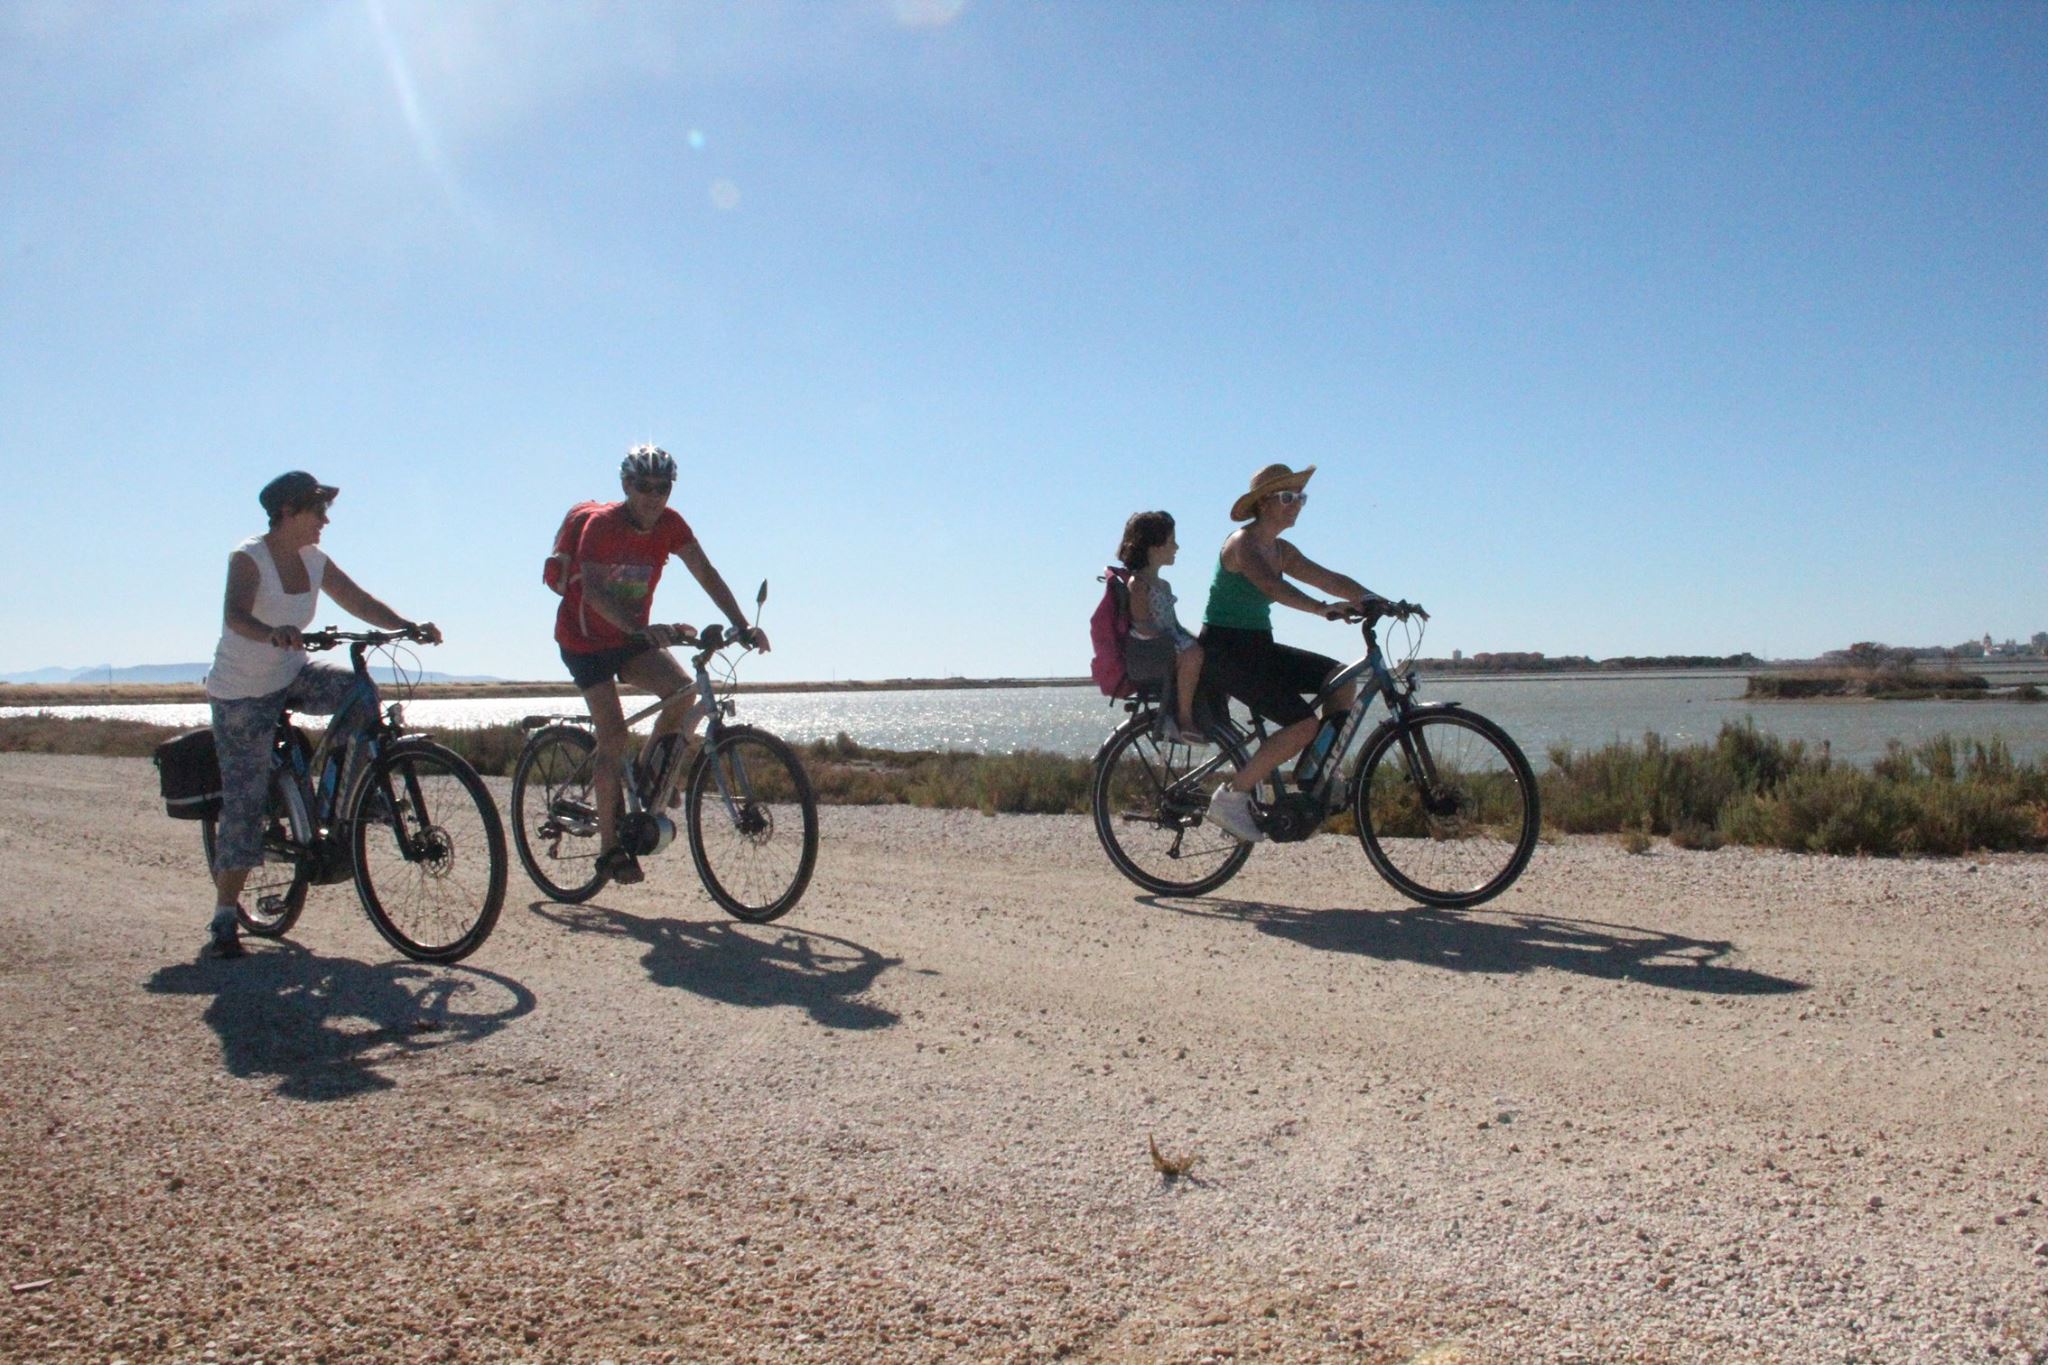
{"type": "Point", "coordinates": [648, 462]}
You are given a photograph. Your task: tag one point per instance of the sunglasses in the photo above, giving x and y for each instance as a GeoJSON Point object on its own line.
{"type": "Point", "coordinates": [659, 487]}
{"type": "Point", "coordinates": [1290, 497]}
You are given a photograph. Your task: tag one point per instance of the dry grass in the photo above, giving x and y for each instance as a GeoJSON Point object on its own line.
{"type": "Point", "coordinates": [1943, 796]}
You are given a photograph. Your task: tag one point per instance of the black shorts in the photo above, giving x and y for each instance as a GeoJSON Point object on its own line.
{"type": "Point", "coordinates": [1275, 680]}
{"type": "Point", "coordinates": [602, 665]}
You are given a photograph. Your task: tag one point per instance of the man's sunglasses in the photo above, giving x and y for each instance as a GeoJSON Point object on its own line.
{"type": "Point", "coordinates": [1289, 497]}
{"type": "Point", "coordinates": [660, 487]}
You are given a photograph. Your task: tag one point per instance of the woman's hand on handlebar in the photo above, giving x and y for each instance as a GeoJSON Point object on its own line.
{"type": "Point", "coordinates": [426, 632]}
{"type": "Point", "coordinates": [713, 636]}
{"type": "Point", "coordinates": [285, 637]}
{"type": "Point", "coordinates": [1401, 611]}
{"type": "Point", "coordinates": [668, 636]}
{"type": "Point", "coordinates": [1366, 608]}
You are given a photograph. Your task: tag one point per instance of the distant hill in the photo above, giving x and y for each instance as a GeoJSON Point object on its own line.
{"type": "Point", "coordinates": [107, 673]}
{"type": "Point", "coordinates": [187, 673]}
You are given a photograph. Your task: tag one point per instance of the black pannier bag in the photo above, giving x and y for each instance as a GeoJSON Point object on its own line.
{"type": "Point", "coordinates": [189, 772]}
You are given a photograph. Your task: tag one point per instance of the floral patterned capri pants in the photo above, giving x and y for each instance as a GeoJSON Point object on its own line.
{"type": "Point", "coordinates": [243, 730]}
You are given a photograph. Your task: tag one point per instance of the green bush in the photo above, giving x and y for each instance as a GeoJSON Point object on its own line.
{"type": "Point", "coordinates": [1944, 795]}
{"type": "Point", "coordinates": [1941, 796]}
{"type": "Point", "coordinates": [492, 750]}
{"type": "Point", "coordinates": [42, 733]}
{"type": "Point", "coordinates": [1658, 789]}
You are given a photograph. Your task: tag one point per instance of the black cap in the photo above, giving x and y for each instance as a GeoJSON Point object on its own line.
{"type": "Point", "coordinates": [291, 491]}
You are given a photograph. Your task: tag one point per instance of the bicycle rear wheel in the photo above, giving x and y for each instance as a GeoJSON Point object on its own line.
{"type": "Point", "coordinates": [275, 892]}
{"type": "Point", "coordinates": [753, 821]}
{"type": "Point", "coordinates": [1446, 807]}
{"type": "Point", "coordinates": [1149, 800]}
{"type": "Point", "coordinates": [429, 852]}
{"type": "Point", "coordinates": [554, 812]}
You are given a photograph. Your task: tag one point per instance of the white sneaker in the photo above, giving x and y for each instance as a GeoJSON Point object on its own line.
{"type": "Point", "coordinates": [1172, 732]}
{"type": "Point", "coordinates": [1231, 811]}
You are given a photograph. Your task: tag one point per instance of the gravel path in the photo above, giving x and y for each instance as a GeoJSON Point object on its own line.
{"type": "Point", "coordinates": [1725, 1106]}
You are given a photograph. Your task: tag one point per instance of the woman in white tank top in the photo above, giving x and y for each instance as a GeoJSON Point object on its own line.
{"type": "Point", "coordinates": [260, 666]}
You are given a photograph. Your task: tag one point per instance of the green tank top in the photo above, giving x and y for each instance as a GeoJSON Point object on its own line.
{"type": "Point", "coordinates": [1236, 601]}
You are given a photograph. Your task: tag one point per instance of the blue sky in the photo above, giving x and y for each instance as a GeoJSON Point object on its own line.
{"type": "Point", "coordinates": [1613, 329]}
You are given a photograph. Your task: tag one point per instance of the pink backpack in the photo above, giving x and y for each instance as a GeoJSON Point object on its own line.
{"type": "Point", "coordinates": [1108, 629]}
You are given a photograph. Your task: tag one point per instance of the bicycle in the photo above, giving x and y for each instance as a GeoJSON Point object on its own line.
{"type": "Point", "coordinates": [748, 804]}
{"type": "Point", "coordinates": [399, 814]}
{"type": "Point", "coordinates": [1444, 802]}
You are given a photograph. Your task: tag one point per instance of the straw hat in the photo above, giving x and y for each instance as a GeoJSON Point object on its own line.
{"type": "Point", "coordinates": [1274, 478]}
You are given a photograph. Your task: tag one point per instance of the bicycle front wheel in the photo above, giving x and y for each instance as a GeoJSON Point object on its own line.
{"type": "Point", "coordinates": [554, 812]}
{"type": "Point", "coordinates": [1149, 799]}
{"type": "Point", "coordinates": [429, 852]}
{"type": "Point", "coordinates": [753, 822]}
{"type": "Point", "coordinates": [1446, 807]}
{"type": "Point", "coordinates": [275, 892]}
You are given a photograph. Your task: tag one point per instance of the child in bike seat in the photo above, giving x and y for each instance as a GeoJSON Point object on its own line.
{"type": "Point", "coordinates": [1149, 546]}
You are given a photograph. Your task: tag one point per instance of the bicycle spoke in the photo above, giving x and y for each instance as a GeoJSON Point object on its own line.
{"type": "Point", "coordinates": [554, 813]}
{"type": "Point", "coordinates": [1447, 809]}
{"type": "Point", "coordinates": [753, 824]}
{"type": "Point", "coordinates": [1149, 801]}
{"type": "Point", "coordinates": [429, 854]}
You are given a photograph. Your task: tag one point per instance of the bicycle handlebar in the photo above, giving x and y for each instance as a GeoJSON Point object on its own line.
{"type": "Point", "coordinates": [332, 637]}
{"type": "Point", "coordinates": [1375, 609]}
{"type": "Point", "coordinates": [707, 641]}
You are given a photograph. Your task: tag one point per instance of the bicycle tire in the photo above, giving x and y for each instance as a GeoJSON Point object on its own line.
{"type": "Point", "coordinates": [277, 885]}
{"type": "Point", "coordinates": [756, 878]}
{"type": "Point", "coordinates": [1469, 837]}
{"type": "Point", "coordinates": [554, 813]}
{"type": "Point", "coordinates": [419, 820]}
{"type": "Point", "coordinates": [1149, 798]}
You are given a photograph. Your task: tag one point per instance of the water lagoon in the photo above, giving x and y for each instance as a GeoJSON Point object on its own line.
{"type": "Point", "coordinates": [1582, 710]}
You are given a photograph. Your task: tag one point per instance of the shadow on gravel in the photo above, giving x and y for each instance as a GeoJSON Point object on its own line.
{"type": "Point", "coordinates": [754, 965]}
{"type": "Point", "coordinates": [326, 1027]}
{"type": "Point", "coordinates": [1482, 941]}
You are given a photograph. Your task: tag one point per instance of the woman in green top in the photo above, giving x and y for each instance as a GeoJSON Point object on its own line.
{"type": "Point", "coordinates": [1237, 634]}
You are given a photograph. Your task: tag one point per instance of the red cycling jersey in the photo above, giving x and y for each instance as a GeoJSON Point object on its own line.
{"type": "Point", "coordinates": [620, 564]}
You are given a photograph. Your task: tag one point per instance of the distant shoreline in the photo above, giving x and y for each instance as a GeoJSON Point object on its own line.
{"type": "Point", "coordinates": [144, 694]}
{"type": "Point", "coordinates": [32, 695]}
{"type": "Point", "coordinates": [192, 693]}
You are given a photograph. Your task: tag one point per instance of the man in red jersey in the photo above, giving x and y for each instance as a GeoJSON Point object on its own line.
{"type": "Point", "coordinates": [610, 558]}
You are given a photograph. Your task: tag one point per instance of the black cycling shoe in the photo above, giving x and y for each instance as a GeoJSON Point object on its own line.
{"type": "Point", "coordinates": [617, 865]}
{"type": "Point", "coordinates": [223, 944]}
